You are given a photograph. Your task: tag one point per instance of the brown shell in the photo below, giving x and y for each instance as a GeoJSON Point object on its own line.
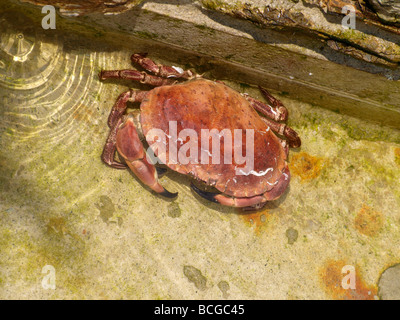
{"type": "Point", "coordinates": [203, 104]}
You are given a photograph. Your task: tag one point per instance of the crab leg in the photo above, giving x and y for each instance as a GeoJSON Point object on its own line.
{"type": "Point", "coordinates": [135, 75]}
{"type": "Point", "coordinates": [114, 121]}
{"type": "Point", "coordinates": [227, 201]}
{"type": "Point", "coordinates": [274, 101]}
{"type": "Point", "coordinates": [110, 147]}
{"type": "Point", "coordinates": [254, 202]}
{"type": "Point", "coordinates": [285, 146]}
{"type": "Point", "coordinates": [121, 104]}
{"type": "Point", "coordinates": [284, 130]}
{"type": "Point", "coordinates": [131, 149]}
{"type": "Point", "coordinates": [160, 70]}
{"type": "Point", "coordinates": [279, 113]}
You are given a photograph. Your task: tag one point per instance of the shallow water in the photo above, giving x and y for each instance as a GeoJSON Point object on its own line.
{"type": "Point", "coordinates": [107, 236]}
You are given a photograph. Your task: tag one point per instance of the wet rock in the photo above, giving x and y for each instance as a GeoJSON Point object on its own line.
{"type": "Point", "coordinates": [389, 284]}
{"type": "Point", "coordinates": [78, 7]}
{"type": "Point", "coordinates": [327, 24]}
{"type": "Point", "coordinates": [387, 10]}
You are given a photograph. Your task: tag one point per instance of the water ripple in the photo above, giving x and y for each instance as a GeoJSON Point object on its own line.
{"type": "Point", "coordinates": [50, 96]}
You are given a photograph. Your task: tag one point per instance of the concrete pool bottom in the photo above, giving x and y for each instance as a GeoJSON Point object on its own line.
{"type": "Point", "coordinates": [109, 237]}
{"type": "Point", "coordinates": [106, 236]}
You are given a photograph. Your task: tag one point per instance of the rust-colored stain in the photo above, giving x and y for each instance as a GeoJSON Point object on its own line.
{"type": "Point", "coordinates": [256, 220]}
{"type": "Point", "coordinates": [306, 166]}
{"type": "Point", "coordinates": [83, 114]}
{"type": "Point", "coordinates": [368, 221]}
{"type": "Point", "coordinates": [332, 276]}
{"type": "Point", "coordinates": [397, 155]}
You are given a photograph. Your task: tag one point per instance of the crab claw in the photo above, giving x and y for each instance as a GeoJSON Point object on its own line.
{"type": "Point", "coordinates": [168, 194]}
{"type": "Point", "coordinates": [131, 149]}
{"type": "Point", "coordinates": [282, 112]}
{"type": "Point", "coordinates": [228, 201]}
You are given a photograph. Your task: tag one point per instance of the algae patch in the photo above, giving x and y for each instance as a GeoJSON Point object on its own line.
{"type": "Point", "coordinates": [195, 276]}
{"type": "Point", "coordinates": [174, 211]}
{"type": "Point", "coordinates": [57, 225]}
{"type": "Point", "coordinates": [292, 235]}
{"type": "Point", "coordinates": [224, 287]}
{"type": "Point", "coordinates": [106, 208]}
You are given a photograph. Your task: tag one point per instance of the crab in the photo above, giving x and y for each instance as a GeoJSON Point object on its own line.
{"type": "Point", "coordinates": [196, 104]}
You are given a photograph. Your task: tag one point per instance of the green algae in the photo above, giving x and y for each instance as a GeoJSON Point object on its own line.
{"type": "Point", "coordinates": [355, 128]}
{"type": "Point", "coordinates": [194, 275]}
{"type": "Point", "coordinates": [224, 287]}
{"type": "Point", "coordinates": [292, 235]}
{"type": "Point", "coordinates": [106, 208]}
{"type": "Point", "coordinates": [216, 4]}
{"type": "Point", "coordinates": [174, 211]}
{"type": "Point", "coordinates": [146, 34]}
